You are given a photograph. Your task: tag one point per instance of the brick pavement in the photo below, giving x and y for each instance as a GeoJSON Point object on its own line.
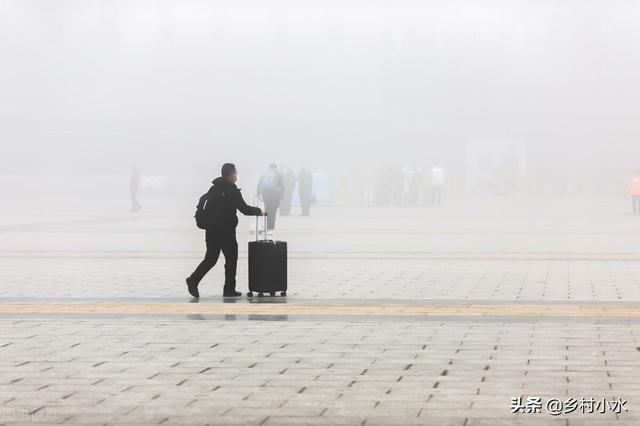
{"type": "Point", "coordinates": [333, 278]}
{"type": "Point", "coordinates": [312, 372]}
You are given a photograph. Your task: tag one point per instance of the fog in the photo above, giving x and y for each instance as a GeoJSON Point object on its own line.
{"type": "Point", "coordinates": [511, 98]}
{"type": "Point", "coordinates": [453, 199]}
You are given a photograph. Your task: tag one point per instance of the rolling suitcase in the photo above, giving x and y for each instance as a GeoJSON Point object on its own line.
{"type": "Point", "coordinates": [267, 265]}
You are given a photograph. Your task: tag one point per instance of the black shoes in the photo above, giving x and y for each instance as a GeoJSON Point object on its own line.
{"type": "Point", "coordinates": [193, 289]}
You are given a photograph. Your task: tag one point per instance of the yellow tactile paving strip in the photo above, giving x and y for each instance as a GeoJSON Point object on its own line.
{"type": "Point", "coordinates": [161, 254]}
{"type": "Point", "coordinates": [172, 308]}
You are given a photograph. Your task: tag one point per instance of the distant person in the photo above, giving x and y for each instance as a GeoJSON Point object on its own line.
{"type": "Point", "coordinates": [271, 189]}
{"type": "Point", "coordinates": [221, 234]}
{"type": "Point", "coordinates": [305, 190]}
{"type": "Point", "coordinates": [634, 191]}
{"type": "Point", "coordinates": [411, 185]}
{"type": "Point", "coordinates": [382, 187]}
{"type": "Point", "coordinates": [436, 179]}
{"type": "Point", "coordinates": [134, 186]}
{"type": "Point", "coordinates": [369, 184]}
{"type": "Point", "coordinates": [395, 181]}
{"type": "Point", "coordinates": [289, 181]}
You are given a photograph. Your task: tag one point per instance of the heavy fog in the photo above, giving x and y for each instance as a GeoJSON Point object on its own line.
{"type": "Point", "coordinates": [522, 104]}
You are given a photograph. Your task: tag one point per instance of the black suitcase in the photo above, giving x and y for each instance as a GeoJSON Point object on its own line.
{"type": "Point", "coordinates": [267, 266]}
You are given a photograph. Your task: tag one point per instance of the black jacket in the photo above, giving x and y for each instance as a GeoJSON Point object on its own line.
{"type": "Point", "coordinates": [233, 202]}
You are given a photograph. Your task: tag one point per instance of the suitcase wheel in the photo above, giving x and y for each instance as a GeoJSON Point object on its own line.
{"type": "Point", "coordinates": [273, 293]}
{"type": "Point", "coordinates": [250, 294]}
{"type": "Point", "coordinates": [260, 294]}
{"type": "Point", "coordinates": [283, 293]}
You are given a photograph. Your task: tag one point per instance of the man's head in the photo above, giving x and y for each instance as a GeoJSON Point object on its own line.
{"type": "Point", "coordinates": [229, 172]}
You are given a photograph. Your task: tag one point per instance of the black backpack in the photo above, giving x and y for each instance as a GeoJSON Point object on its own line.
{"type": "Point", "coordinates": [209, 211]}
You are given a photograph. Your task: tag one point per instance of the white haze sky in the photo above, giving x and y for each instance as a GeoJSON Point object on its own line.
{"type": "Point", "coordinates": [88, 85]}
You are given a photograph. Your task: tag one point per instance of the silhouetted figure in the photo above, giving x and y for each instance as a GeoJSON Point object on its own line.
{"type": "Point", "coordinates": [436, 178]}
{"type": "Point", "coordinates": [270, 189]}
{"type": "Point", "coordinates": [221, 235]}
{"type": "Point", "coordinates": [414, 187]}
{"type": "Point", "coordinates": [305, 190]}
{"type": "Point", "coordinates": [134, 186]}
{"type": "Point", "coordinates": [634, 191]}
{"type": "Point", "coordinates": [411, 185]}
{"type": "Point", "coordinates": [395, 181]}
{"type": "Point", "coordinates": [382, 187]}
{"type": "Point", "coordinates": [289, 181]}
{"type": "Point", "coordinates": [369, 184]}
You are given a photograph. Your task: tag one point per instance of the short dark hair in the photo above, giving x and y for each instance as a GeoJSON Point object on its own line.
{"type": "Point", "coordinates": [227, 169]}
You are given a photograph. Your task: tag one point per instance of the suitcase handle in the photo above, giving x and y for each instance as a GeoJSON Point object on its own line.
{"type": "Point", "coordinates": [265, 227]}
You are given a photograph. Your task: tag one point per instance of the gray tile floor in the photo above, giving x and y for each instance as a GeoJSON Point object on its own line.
{"type": "Point", "coordinates": [333, 278]}
{"type": "Point", "coordinates": [313, 372]}
{"type": "Point", "coordinates": [320, 371]}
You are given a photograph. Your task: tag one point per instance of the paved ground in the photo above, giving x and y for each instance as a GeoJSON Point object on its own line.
{"type": "Point", "coordinates": [333, 277]}
{"type": "Point", "coordinates": [314, 372]}
{"type": "Point", "coordinates": [394, 317]}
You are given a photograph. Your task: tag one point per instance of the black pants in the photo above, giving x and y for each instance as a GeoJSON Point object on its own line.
{"type": "Point", "coordinates": [220, 240]}
{"type": "Point", "coordinates": [635, 202]}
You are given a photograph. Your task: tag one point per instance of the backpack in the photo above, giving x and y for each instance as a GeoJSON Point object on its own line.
{"type": "Point", "coordinates": [269, 180]}
{"type": "Point", "coordinates": [209, 211]}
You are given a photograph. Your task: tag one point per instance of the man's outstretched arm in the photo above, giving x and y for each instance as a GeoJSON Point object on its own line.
{"type": "Point", "coordinates": [244, 208]}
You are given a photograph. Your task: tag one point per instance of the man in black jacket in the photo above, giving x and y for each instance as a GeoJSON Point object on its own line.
{"type": "Point", "coordinates": [222, 236]}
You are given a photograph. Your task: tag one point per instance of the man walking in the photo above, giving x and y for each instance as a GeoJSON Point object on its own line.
{"type": "Point", "coordinates": [437, 183]}
{"type": "Point", "coordinates": [270, 189]}
{"type": "Point", "coordinates": [221, 235]}
{"type": "Point", "coordinates": [305, 190]}
{"type": "Point", "coordinates": [134, 186]}
{"type": "Point", "coordinates": [289, 180]}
